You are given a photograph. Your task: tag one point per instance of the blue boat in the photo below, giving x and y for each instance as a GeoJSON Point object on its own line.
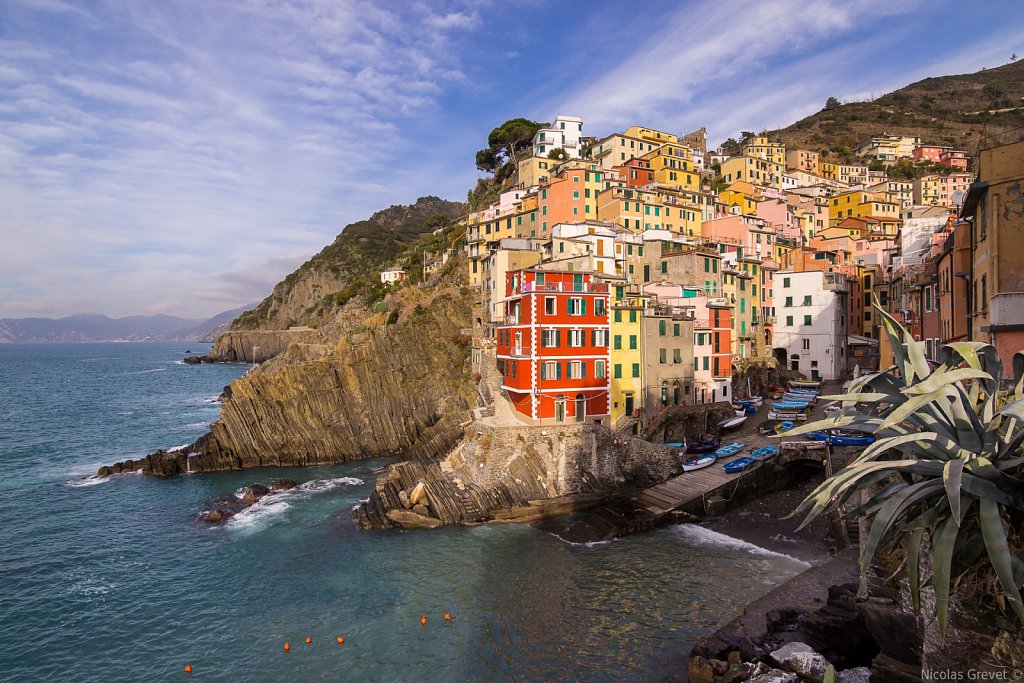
{"type": "Point", "coordinates": [840, 439]}
{"type": "Point", "coordinates": [739, 464]}
{"type": "Point", "coordinates": [730, 449]}
{"type": "Point", "coordinates": [816, 436]}
{"type": "Point", "coordinates": [674, 444]}
{"type": "Point", "coordinates": [765, 452]}
{"type": "Point", "coordinates": [703, 446]}
{"type": "Point", "coordinates": [790, 405]}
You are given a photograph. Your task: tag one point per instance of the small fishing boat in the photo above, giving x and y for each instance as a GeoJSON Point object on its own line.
{"type": "Point", "coordinates": [729, 449]}
{"type": "Point", "coordinates": [675, 444]}
{"type": "Point", "coordinates": [756, 400]}
{"type": "Point", "coordinates": [806, 383]}
{"type": "Point", "coordinates": [787, 415]}
{"type": "Point", "coordinates": [699, 462]}
{"type": "Point", "coordinates": [765, 452]}
{"type": "Point", "coordinates": [768, 427]}
{"type": "Point", "coordinates": [739, 464]}
{"type": "Point", "coordinates": [732, 422]}
{"type": "Point", "coordinates": [703, 446]}
{"type": "Point", "coordinates": [840, 439]}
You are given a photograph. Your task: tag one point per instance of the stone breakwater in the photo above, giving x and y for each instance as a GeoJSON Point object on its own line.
{"type": "Point", "coordinates": [515, 474]}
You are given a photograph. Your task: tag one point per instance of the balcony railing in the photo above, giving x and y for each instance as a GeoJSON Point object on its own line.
{"type": "Point", "coordinates": [575, 287]}
{"type": "Point", "coordinates": [511, 319]}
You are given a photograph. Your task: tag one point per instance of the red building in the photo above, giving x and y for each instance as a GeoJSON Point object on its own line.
{"type": "Point", "coordinates": [928, 153]}
{"type": "Point", "coordinates": [954, 158]}
{"type": "Point", "coordinates": [636, 172]}
{"type": "Point", "coordinates": [553, 347]}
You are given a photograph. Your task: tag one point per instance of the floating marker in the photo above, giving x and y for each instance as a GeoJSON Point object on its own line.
{"type": "Point", "coordinates": [423, 620]}
{"type": "Point", "coordinates": [188, 668]}
{"type": "Point", "coordinates": [287, 646]}
{"type": "Point", "coordinates": [341, 640]}
{"type": "Point", "coordinates": [447, 616]}
{"type": "Point", "coordinates": [308, 640]}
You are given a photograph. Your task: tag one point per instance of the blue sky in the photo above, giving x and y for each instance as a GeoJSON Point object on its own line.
{"type": "Point", "coordinates": [183, 156]}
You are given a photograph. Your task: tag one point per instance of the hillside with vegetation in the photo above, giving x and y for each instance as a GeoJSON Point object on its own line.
{"type": "Point", "coordinates": [350, 266]}
{"type": "Point", "coordinates": [958, 111]}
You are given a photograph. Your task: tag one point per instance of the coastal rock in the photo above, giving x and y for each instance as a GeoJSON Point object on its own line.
{"type": "Point", "coordinates": [417, 493]}
{"type": "Point", "coordinates": [762, 673]}
{"type": "Point", "coordinates": [410, 519]}
{"type": "Point", "coordinates": [802, 660]}
{"type": "Point", "coordinates": [403, 496]}
{"type": "Point", "coordinates": [362, 389]}
{"type": "Point", "coordinates": [421, 509]}
{"type": "Point", "coordinates": [861, 674]}
{"type": "Point", "coordinates": [284, 484]}
{"type": "Point", "coordinates": [700, 670]}
{"type": "Point", "coordinates": [191, 360]}
{"type": "Point", "coordinates": [253, 493]}
{"type": "Point", "coordinates": [215, 516]}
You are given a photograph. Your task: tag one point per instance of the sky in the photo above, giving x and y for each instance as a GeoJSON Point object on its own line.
{"type": "Point", "coordinates": [183, 156]}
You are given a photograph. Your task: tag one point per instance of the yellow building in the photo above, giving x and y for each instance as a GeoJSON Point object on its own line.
{"type": "Point", "coordinates": [761, 147]}
{"type": "Point", "coordinates": [535, 171]}
{"type": "Point", "coordinates": [656, 137]}
{"type": "Point", "coordinates": [626, 352]}
{"type": "Point", "coordinates": [754, 170]}
{"type": "Point", "coordinates": [632, 208]}
{"type": "Point", "coordinates": [619, 148]}
{"type": "Point", "coordinates": [861, 203]}
{"type": "Point", "coordinates": [673, 166]}
{"type": "Point", "coordinates": [742, 195]}
{"type": "Point", "coordinates": [843, 173]}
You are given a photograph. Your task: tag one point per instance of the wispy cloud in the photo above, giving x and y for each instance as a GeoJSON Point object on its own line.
{"type": "Point", "coordinates": [245, 146]}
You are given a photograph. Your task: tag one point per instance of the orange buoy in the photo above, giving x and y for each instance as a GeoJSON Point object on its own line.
{"type": "Point", "coordinates": [341, 640]}
{"type": "Point", "coordinates": [287, 646]}
{"type": "Point", "coordinates": [447, 616]}
{"type": "Point", "coordinates": [188, 668]}
{"type": "Point", "coordinates": [308, 640]}
{"type": "Point", "coordinates": [423, 620]}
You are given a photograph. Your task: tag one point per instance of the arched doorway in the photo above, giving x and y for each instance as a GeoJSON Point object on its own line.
{"type": "Point", "coordinates": [676, 396]}
{"type": "Point", "coordinates": [780, 356]}
{"type": "Point", "coordinates": [581, 408]}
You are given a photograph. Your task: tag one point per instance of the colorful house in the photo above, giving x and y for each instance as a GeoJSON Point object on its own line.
{"type": "Point", "coordinates": [553, 348]}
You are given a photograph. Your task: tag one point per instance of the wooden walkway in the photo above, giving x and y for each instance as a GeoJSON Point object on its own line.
{"type": "Point", "coordinates": [683, 490]}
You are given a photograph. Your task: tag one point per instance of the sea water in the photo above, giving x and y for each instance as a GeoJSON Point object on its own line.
{"type": "Point", "coordinates": [117, 580]}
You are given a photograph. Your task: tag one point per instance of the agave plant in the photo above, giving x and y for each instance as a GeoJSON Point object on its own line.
{"type": "Point", "coordinates": [947, 463]}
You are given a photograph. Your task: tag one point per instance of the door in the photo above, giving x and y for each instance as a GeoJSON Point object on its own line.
{"type": "Point", "coordinates": [519, 344]}
{"type": "Point", "coordinates": [581, 408]}
{"type": "Point", "coordinates": [577, 282]}
{"type": "Point", "coordinates": [560, 409]}
{"type": "Point", "coordinates": [675, 393]}
{"type": "Point", "coordinates": [629, 404]}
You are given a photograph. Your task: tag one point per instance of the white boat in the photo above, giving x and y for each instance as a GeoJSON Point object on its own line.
{"type": "Point", "coordinates": [733, 422]}
{"type": "Point", "coordinates": [699, 462]}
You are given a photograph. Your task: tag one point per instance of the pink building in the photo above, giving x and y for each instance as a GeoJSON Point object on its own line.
{"type": "Point", "coordinates": [930, 153]}
{"type": "Point", "coordinates": [954, 158]}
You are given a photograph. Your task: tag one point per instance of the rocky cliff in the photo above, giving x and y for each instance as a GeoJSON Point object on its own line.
{"type": "Point", "coordinates": [371, 382]}
{"type": "Point", "coordinates": [515, 474]}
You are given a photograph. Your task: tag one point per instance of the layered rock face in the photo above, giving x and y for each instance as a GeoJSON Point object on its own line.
{"type": "Point", "coordinates": [376, 389]}
{"type": "Point", "coordinates": [257, 346]}
{"type": "Point", "coordinates": [514, 474]}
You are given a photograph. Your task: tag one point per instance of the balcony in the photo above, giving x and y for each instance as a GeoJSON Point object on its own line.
{"type": "Point", "coordinates": [578, 288]}
{"type": "Point", "coordinates": [511, 319]}
{"type": "Point", "coordinates": [520, 352]}
{"type": "Point", "coordinates": [768, 320]}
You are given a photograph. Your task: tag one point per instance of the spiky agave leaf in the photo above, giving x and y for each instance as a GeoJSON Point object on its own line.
{"type": "Point", "coordinates": [999, 552]}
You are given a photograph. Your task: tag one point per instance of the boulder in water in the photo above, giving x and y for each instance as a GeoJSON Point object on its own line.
{"type": "Point", "coordinates": [417, 493]}
{"type": "Point", "coordinates": [412, 520]}
{"type": "Point", "coordinates": [253, 493]}
{"type": "Point", "coordinates": [284, 484]}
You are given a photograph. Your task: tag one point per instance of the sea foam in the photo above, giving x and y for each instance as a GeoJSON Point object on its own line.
{"type": "Point", "coordinates": [699, 536]}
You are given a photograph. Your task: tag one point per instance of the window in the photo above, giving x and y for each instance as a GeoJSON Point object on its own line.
{"type": "Point", "coordinates": [576, 370]}
{"type": "Point", "coordinates": [664, 266]}
{"type": "Point", "coordinates": [675, 329]}
{"type": "Point", "coordinates": [632, 316]}
{"type": "Point", "coordinates": [785, 282]}
{"type": "Point", "coordinates": [550, 305]}
{"type": "Point", "coordinates": [807, 320]}
{"type": "Point", "coordinates": [806, 344]}
{"type": "Point", "coordinates": [577, 338]}
{"type": "Point", "coordinates": [599, 307]}
{"type": "Point", "coordinates": [617, 341]}
{"type": "Point", "coordinates": [662, 355]}
{"type": "Point", "coordinates": [617, 371]}
{"type": "Point", "coordinates": [550, 370]}
{"type": "Point", "coordinates": [662, 328]}
{"type": "Point", "coordinates": [550, 338]}
{"type": "Point", "coordinates": [599, 338]}
{"type": "Point", "coordinates": [789, 321]}
{"type": "Point", "coordinates": [677, 355]}
{"type": "Point", "coordinates": [618, 316]}
{"type": "Point", "coordinates": [807, 300]}
{"type": "Point", "coordinates": [632, 341]}
{"type": "Point", "coordinates": [705, 362]}
{"type": "Point", "coordinates": [577, 306]}
{"type": "Point", "coordinates": [599, 369]}
{"type": "Point", "coordinates": [636, 369]}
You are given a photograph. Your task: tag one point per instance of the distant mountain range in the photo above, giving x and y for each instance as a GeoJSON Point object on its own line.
{"type": "Point", "coordinates": [92, 328]}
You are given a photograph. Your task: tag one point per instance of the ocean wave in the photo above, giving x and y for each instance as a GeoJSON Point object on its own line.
{"type": "Point", "coordinates": [145, 372]}
{"type": "Point", "coordinates": [703, 537]}
{"type": "Point", "coordinates": [274, 504]}
{"type": "Point", "coordinates": [86, 481]}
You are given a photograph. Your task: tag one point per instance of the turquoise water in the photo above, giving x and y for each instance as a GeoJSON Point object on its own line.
{"type": "Point", "coordinates": [118, 581]}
